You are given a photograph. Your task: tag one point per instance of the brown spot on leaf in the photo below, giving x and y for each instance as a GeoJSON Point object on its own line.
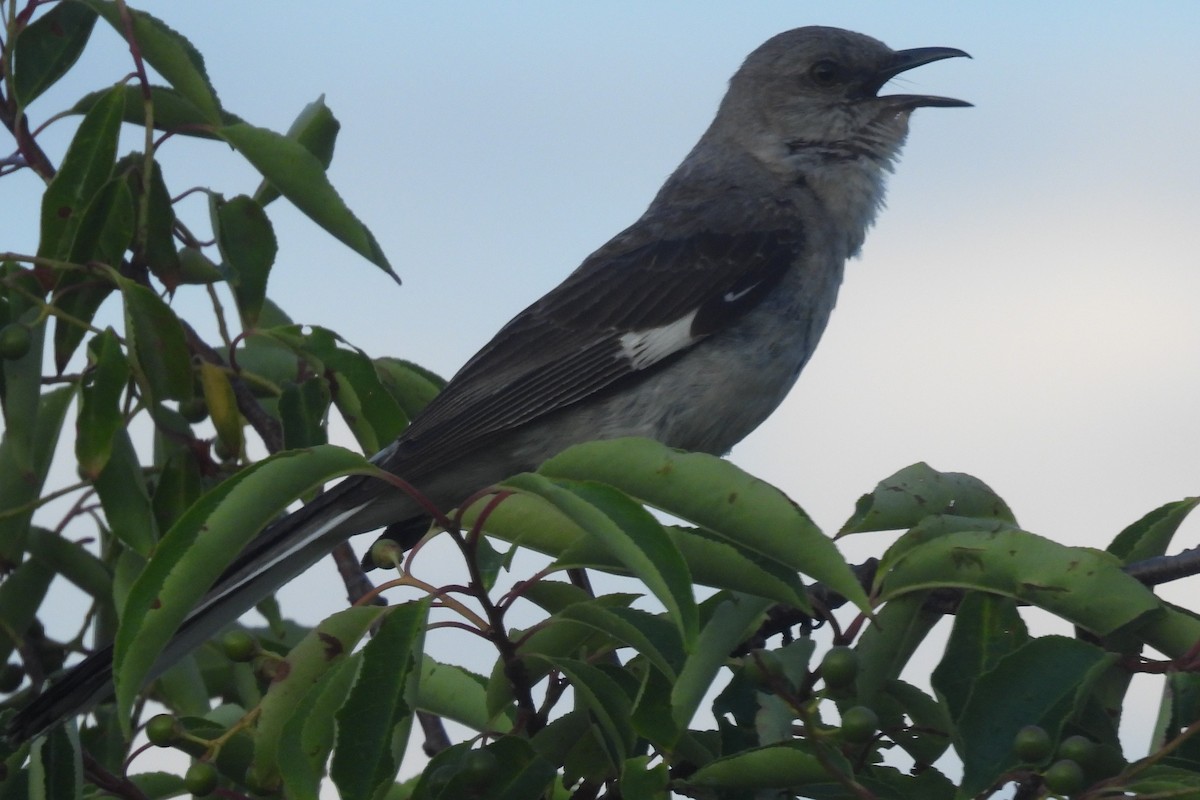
{"type": "Point", "coordinates": [733, 497]}
{"type": "Point", "coordinates": [333, 646]}
{"type": "Point", "coordinates": [64, 212]}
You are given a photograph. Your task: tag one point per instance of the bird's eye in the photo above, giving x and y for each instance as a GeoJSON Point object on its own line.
{"type": "Point", "coordinates": [826, 73]}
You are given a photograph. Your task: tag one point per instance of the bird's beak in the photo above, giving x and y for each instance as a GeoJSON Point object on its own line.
{"type": "Point", "coordinates": [904, 60]}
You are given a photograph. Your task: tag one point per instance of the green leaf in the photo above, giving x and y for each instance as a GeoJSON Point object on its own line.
{"type": "Point", "coordinates": [609, 706]}
{"type": "Point", "coordinates": [124, 497]}
{"type": "Point", "coordinates": [247, 244]}
{"type": "Point", "coordinates": [159, 351]}
{"type": "Point", "coordinates": [373, 416]}
{"type": "Point", "coordinates": [716, 495]}
{"type": "Point", "coordinates": [21, 386]}
{"type": "Point", "coordinates": [308, 735]}
{"type": "Point", "coordinates": [155, 244]}
{"type": "Point", "coordinates": [920, 491]}
{"type": "Point", "coordinates": [632, 535]}
{"type": "Point", "coordinates": [640, 781]}
{"type": "Point", "coordinates": [373, 724]}
{"type": "Point", "coordinates": [179, 484]}
{"type": "Point", "coordinates": [172, 56]}
{"type": "Point", "coordinates": [623, 625]}
{"type": "Point", "coordinates": [56, 765]}
{"type": "Point", "coordinates": [73, 562]}
{"type": "Point", "coordinates": [316, 129]}
{"type": "Point", "coordinates": [777, 766]}
{"type": "Point", "coordinates": [734, 619]}
{"type": "Point", "coordinates": [1085, 587]}
{"type": "Point", "coordinates": [986, 628]}
{"type": "Point", "coordinates": [1151, 535]}
{"type": "Point", "coordinates": [1040, 683]}
{"type": "Point", "coordinates": [21, 594]}
{"type": "Point", "coordinates": [186, 563]}
{"type": "Point", "coordinates": [454, 693]}
{"type": "Point", "coordinates": [104, 233]}
{"type": "Point", "coordinates": [888, 643]}
{"type": "Point", "coordinates": [929, 736]}
{"type": "Point", "coordinates": [410, 385]}
{"type": "Point", "coordinates": [303, 410]}
{"type": "Point", "coordinates": [21, 484]}
{"type": "Point", "coordinates": [300, 177]}
{"type": "Point", "coordinates": [172, 112]}
{"type": "Point", "coordinates": [85, 168]}
{"type": "Point", "coordinates": [324, 649]}
{"type": "Point", "coordinates": [48, 47]}
{"type": "Point", "coordinates": [99, 402]}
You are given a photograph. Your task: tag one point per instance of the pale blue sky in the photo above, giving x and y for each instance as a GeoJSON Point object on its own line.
{"type": "Point", "coordinates": [1025, 310]}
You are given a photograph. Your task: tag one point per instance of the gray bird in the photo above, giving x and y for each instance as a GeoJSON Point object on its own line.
{"type": "Point", "coordinates": [689, 327]}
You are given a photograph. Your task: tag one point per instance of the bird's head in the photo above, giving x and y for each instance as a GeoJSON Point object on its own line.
{"type": "Point", "coordinates": [811, 95]}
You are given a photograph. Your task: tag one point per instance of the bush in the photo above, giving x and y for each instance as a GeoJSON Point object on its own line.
{"type": "Point", "coordinates": [600, 693]}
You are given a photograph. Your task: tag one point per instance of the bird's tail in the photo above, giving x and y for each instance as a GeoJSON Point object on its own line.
{"type": "Point", "coordinates": [281, 552]}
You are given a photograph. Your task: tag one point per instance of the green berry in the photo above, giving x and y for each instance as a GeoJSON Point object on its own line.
{"type": "Point", "coordinates": [200, 779]}
{"type": "Point", "coordinates": [194, 410]}
{"type": "Point", "coordinates": [15, 341]}
{"type": "Point", "coordinates": [859, 724]}
{"type": "Point", "coordinates": [224, 451]}
{"type": "Point", "coordinates": [163, 730]}
{"type": "Point", "coordinates": [1032, 744]}
{"type": "Point", "coordinates": [839, 668]}
{"type": "Point", "coordinates": [239, 646]}
{"type": "Point", "coordinates": [1064, 777]}
{"type": "Point", "coordinates": [1079, 749]}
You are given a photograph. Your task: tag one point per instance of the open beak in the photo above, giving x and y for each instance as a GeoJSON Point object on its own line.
{"type": "Point", "coordinates": [904, 60]}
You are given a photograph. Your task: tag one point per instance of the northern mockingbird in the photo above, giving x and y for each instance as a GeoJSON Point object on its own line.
{"type": "Point", "coordinates": [688, 327]}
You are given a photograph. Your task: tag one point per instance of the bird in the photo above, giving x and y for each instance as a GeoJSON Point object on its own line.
{"type": "Point", "coordinates": [688, 327]}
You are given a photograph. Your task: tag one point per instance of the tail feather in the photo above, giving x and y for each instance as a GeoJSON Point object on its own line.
{"type": "Point", "coordinates": [281, 552]}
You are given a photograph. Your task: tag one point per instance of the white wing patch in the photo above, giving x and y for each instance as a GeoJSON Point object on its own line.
{"type": "Point", "coordinates": [644, 348]}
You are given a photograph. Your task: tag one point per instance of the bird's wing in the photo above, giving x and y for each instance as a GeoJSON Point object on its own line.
{"type": "Point", "coordinates": [616, 317]}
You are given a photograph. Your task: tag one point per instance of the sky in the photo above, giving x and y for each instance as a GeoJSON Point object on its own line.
{"type": "Point", "coordinates": [1024, 310]}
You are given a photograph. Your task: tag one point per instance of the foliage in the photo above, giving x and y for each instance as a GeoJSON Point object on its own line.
{"type": "Point", "coordinates": [663, 689]}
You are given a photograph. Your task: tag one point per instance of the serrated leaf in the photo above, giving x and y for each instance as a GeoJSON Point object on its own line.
{"type": "Point", "coordinates": [735, 617]}
{"type": "Point", "coordinates": [104, 233]}
{"type": "Point", "coordinates": [454, 693]}
{"type": "Point", "coordinates": [21, 594]}
{"type": "Point", "coordinates": [247, 243]}
{"type": "Point", "coordinates": [185, 563]}
{"type": "Point", "coordinates": [308, 735]}
{"type": "Point", "coordinates": [21, 483]}
{"type": "Point", "coordinates": [157, 345]}
{"type": "Point", "coordinates": [1151, 535]}
{"type": "Point", "coordinates": [324, 649]}
{"type": "Point", "coordinates": [304, 410]}
{"type": "Point", "coordinates": [986, 628]}
{"type": "Point", "coordinates": [373, 724]}
{"type": "Point", "coordinates": [170, 53]}
{"type": "Point", "coordinates": [632, 535]}
{"type": "Point", "coordinates": [85, 168]}
{"type": "Point", "coordinates": [316, 129]}
{"type": "Point", "coordinates": [48, 47]}
{"type": "Point", "coordinates": [99, 402]}
{"type": "Point", "coordinates": [73, 562]}
{"type": "Point", "coordinates": [609, 706]}
{"type": "Point", "coordinates": [300, 177]}
{"type": "Point", "coordinates": [56, 765]}
{"type": "Point", "coordinates": [1037, 684]}
{"type": "Point", "coordinates": [904, 499]}
{"type": "Point", "coordinates": [777, 766]}
{"type": "Point", "coordinates": [157, 251]}
{"type": "Point", "coordinates": [121, 486]}
{"type": "Point", "coordinates": [1085, 587]}
{"type": "Point", "coordinates": [410, 385]}
{"type": "Point", "coordinates": [172, 112]}
{"type": "Point", "coordinates": [716, 495]}
{"type": "Point", "coordinates": [885, 647]}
